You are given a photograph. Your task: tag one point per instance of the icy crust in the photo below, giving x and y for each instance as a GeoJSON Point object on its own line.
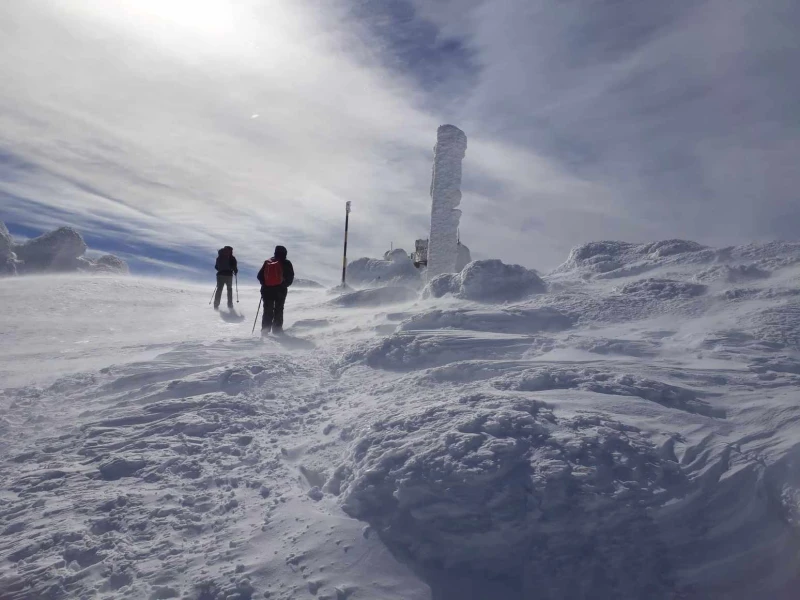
{"type": "Point", "coordinates": [497, 484]}
{"type": "Point", "coordinates": [487, 281]}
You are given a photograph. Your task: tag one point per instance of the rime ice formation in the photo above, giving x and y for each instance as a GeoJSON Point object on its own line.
{"type": "Point", "coordinates": [57, 250]}
{"type": "Point", "coordinates": [451, 144]}
{"type": "Point", "coordinates": [61, 250]}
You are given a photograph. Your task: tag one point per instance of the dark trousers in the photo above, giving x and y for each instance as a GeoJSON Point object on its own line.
{"type": "Point", "coordinates": [274, 298]}
{"type": "Point", "coordinates": [222, 281]}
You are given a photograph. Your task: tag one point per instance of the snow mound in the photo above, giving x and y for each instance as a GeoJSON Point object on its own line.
{"type": "Point", "coordinates": [57, 250]}
{"type": "Point", "coordinates": [61, 250]}
{"type": "Point", "coordinates": [5, 239]}
{"type": "Point", "coordinates": [375, 297]}
{"type": "Point", "coordinates": [622, 259]}
{"type": "Point", "coordinates": [8, 259]}
{"type": "Point", "coordinates": [487, 281]}
{"type": "Point", "coordinates": [496, 484]}
{"type": "Point", "coordinates": [397, 269]}
{"type": "Point", "coordinates": [307, 284]}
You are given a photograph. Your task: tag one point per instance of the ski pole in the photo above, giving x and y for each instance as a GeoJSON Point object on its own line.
{"type": "Point", "coordinates": [256, 319]}
{"type": "Point", "coordinates": [212, 295]}
{"type": "Point", "coordinates": [236, 276]}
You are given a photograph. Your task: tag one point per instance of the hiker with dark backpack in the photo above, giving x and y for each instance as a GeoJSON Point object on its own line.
{"type": "Point", "coordinates": [275, 277]}
{"type": "Point", "coordinates": [226, 267]}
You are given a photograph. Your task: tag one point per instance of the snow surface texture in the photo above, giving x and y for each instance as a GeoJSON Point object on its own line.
{"type": "Point", "coordinates": [451, 145]}
{"type": "Point", "coordinates": [487, 281]}
{"type": "Point", "coordinates": [629, 438]}
{"type": "Point", "coordinates": [396, 269]}
{"type": "Point", "coordinates": [61, 250]}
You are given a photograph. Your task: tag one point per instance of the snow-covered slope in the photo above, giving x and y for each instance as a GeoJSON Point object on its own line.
{"type": "Point", "coordinates": [626, 437]}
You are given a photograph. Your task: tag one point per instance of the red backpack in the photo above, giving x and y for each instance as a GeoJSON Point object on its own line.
{"type": "Point", "coordinates": [273, 272]}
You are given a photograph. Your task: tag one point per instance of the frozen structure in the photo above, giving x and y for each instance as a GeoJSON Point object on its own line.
{"type": "Point", "coordinates": [451, 145]}
{"type": "Point", "coordinates": [61, 250]}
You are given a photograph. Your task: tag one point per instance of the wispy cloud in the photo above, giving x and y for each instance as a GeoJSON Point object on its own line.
{"type": "Point", "coordinates": [685, 114]}
{"type": "Point", "coordinates": [133, 119]}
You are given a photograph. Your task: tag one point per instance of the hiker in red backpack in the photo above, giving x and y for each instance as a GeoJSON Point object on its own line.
{"type": "Point", "coordinates": [275, 276]}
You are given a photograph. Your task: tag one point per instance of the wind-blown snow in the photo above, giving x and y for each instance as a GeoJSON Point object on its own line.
{"type": "Point", "coordinates": [628, 437]}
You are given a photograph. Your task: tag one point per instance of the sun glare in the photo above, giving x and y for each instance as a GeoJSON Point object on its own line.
{"type": "Point", "coordinates": [201, 17]}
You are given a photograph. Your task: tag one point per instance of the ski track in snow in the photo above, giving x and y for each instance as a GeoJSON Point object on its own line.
{"type": "Point", "coordinates": [632, 433]}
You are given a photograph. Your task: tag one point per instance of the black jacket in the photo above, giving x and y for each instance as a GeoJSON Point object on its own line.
{"type": "Point", "coordinates": [288, 273]}
{"type": "Point", "coordinates": [226, 265]}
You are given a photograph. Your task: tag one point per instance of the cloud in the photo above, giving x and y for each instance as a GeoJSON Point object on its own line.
{"type": "Point", "coordinates": [637, 120]}
{"type": "Point", "coordinates": [683, 113]}
{"type": "Point", "coordinates": [119, 122]}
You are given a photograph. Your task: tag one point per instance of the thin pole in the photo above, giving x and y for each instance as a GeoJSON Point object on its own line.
{"type": "Point", "coordinates": [346, 228]}
{"type": "Point", "coordinates": [256, 319]}
{"type": "Point", "coordinates": [236, 276]}
{"type": "Point", "coordinates": [214, 293]}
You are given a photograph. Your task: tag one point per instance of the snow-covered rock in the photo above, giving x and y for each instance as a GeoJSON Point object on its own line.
{"type": "Point", "coordinates": [110, 264]}
{"type": "Point", "coordinates": [57, 250]}
{"type": "Point", "coordinates": [8, 259]}
{"type": "Point", "coordinates": [451, 145]}
{"type": "Point", "coordinates": [61, 250]}
{"type": "Point", "coordinates": [487, 281]}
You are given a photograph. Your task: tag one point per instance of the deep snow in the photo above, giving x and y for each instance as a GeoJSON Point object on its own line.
{"type": "Point", "coordinates": [630, 433]}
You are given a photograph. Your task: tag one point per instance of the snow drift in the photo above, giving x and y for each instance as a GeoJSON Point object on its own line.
{"type": "Point", "coordinates": [487, 281]}
{"type": "Point", "coordinates": [398, 269]}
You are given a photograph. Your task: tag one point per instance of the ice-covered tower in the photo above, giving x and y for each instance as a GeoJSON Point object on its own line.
{"type": "Point", "coordinates": [451, 145]}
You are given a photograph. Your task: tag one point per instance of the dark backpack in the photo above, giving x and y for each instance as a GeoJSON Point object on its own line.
{"type": "Point", "coordinates": [273, 272]}
{"type": "Point", "coordinates": [223, 262]}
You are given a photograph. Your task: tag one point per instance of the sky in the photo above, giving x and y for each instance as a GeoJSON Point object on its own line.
{"type": "Point", "coordinates": [164, 129]}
